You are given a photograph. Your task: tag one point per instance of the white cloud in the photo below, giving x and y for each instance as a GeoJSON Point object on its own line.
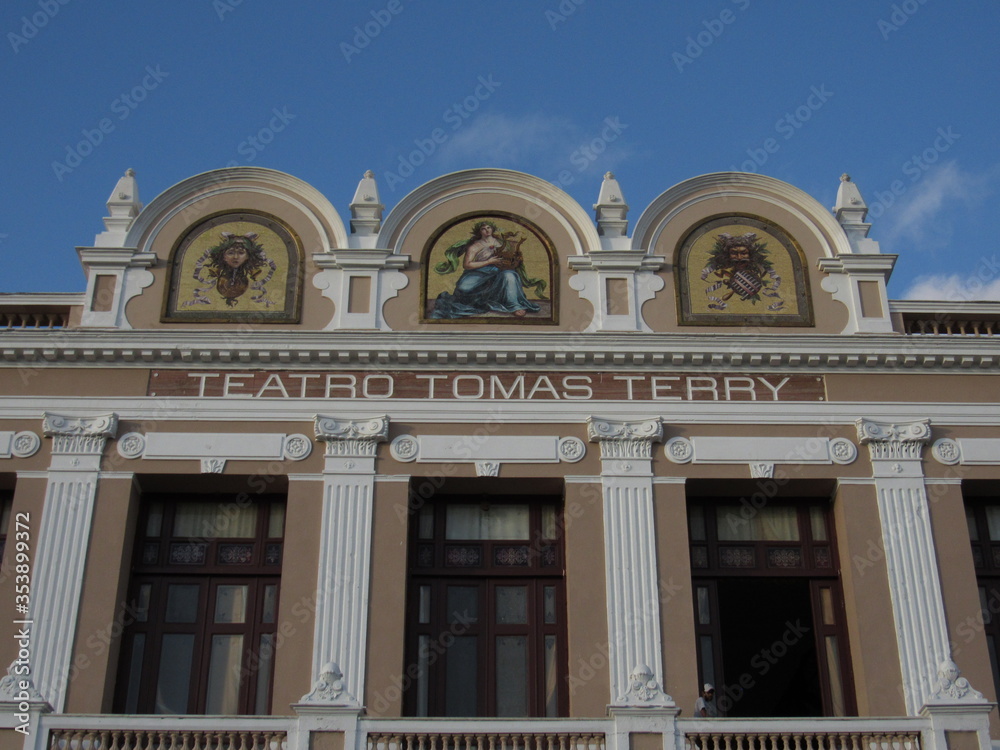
{"type": "Point", "coordinates": [982, 284]}
{"type": "Point", "coordinates": [498, 140]}
{"type": "Point", "coordinates": [542, 144]}
{"type": "Point", "coordinates": [922, 218]}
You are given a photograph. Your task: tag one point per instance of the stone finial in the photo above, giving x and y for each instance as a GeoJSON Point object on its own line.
{"type": "Point", "coordinates": [123, 207]}
{"type": "Point", "coordinates": [952, 687]}
{"type": "Point", "coordinates": [611, 209]}
{"type": "Point", "coordinates": [330, 689]}
{"type": "Point", "coordinates": [644, 690]}
{"type": "Point", "coordinates": [851, 211]}
{"type": "Point", "coordinates": [366, 209]}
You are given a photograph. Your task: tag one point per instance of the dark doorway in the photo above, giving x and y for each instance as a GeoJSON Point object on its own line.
{"type": "Point", "coordinates": [768, 648]}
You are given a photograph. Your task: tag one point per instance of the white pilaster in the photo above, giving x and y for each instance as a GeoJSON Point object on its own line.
{"type": "Point", "coordinates": [61, 552]}
{"type": "Point", "coordinates": [340, 638]}
{"type": "Point", "coordinates": [911, 558]}
{"type": "Point", "coordinates": [630, 560]}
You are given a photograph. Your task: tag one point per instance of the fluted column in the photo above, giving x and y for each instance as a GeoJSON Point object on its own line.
{"type": "Point", "coordinates": [910, 554]}
{"type": "Point", "coordinates": [340, 639]}
{"type": "Point", "coordinates": [630, 560]}
{"type": "Point", "coordinates": [61, 551]}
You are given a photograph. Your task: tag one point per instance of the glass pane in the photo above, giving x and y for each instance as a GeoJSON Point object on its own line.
{"type": "Point", "coordinates": [463, 604]}
{"type": "Point", "coordinates": [231, 604]}
{"type": "Point", "coordinates": [270, 603]}
{"type": "Point", "coordinates": [993, 521]}
{"type": "Point", "coordinates": [833, 665]}
{"type": "Point", "coordinates": [424, 615]}
{"type": "Point", "coordinates": [985, 605]}
{"type": "Point", "coordinates": [211, 520]}
{"type": "Point", "coordinates": [224, 675]}
{"type": "Point", "coordinates": [487, 522]}
{"type": "Point", "coordinates": [550, 605]}
{"type": "Point", "coordinates": [696, 522]}
{"type": "Point", "coordinates": [970, 519]}
{"type": "Point", "coordinates": [512, 675]}
{"type": "Point", "coordinates": [767, 524]}
{"type": "Point", "coordinates": [154, 521]}
{"type": "Point", "coordinates": [265, 656]}
{"type": "Point", "coordinates": [551, 678]}
{"type": "Point", "coordinates": [5, 506]}
{"type": "Point", "coordinates": [461, 677]}
{"type": "Point", "coordinates": [549, 522]}
{"type": "Point", "coordinates": [425, 522]}
{"type": "Point", "coordinates": [512, 605]}
{"type": "Point", "coordinates": [707, 660]}
{"type": "Point", "coordinates": [276, 521]}
{"type": "Point", "coordinates": [134, 670]}
{"type": "Point", "coordinates": [817, 523]}
{"type": "Point", "coordinates": [142, 602]}
{"type": "Point", "coordinates": [174, 675]}
{"type": "Point", "coordinates": [182, 603]}
{"type": "Point", "coordinates": [423, 664]}
{"type": "Point", "coordinates": [826, 597]}
{"type": "Point", "coordinates": [704, 610]}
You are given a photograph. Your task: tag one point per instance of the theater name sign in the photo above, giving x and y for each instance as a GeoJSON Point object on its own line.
{"type": "Point", "coordinates": [486, 386]}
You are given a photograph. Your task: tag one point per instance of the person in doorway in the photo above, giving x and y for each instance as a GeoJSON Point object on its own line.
{"type": "Point", "coordinates": [704, 707]}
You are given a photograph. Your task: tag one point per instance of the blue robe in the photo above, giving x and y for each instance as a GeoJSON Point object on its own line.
{"type": "Point", "coordinates": [483, 290]}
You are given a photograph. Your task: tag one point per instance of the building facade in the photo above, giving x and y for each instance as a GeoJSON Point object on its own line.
{"type": "Point", "coordinates": [486, 472]}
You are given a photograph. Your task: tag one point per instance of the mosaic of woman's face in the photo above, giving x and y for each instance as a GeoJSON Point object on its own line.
{"type": "Point", "coordinates": [235, 256]}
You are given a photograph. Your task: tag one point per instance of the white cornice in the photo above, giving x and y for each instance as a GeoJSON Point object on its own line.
{"type": "Point", "coordinates": [534, 190]}
{"type": "Point", "coordinates": [931, 307]}
{"type": "Point", "coordinates": [24, 299]}
{"type": "Point", "coordinates": [238, 179]}
{"type": "Point", "coordinates": [809, 413]}
{"type": "Point", "coordinates": [738, 185]}
{"type": "Point", "coordinates": [281, 349]}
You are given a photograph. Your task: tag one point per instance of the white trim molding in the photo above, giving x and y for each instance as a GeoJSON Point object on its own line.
{"type": "Point", "coordinates": [760, 450]}
{"type": "Point", "coordinates": [967, 451]}
{"type": "Point", "coordinates": [478, 448]}
{"type": "Point", "coordinates": [341, 631]}
{"type": "Point", "coordinates": [212, 447]}
{"type": "Point", "coordinates": [636, 661]}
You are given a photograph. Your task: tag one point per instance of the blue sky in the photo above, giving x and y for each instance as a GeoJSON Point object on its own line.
{"type": "Point", "coordinates": [901, 95]}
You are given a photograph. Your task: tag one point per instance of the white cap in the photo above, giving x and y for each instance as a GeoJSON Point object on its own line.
{"type": "Point", "coordinates": [708, 688]}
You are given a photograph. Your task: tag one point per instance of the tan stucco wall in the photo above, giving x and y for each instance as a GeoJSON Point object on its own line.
{"type": "Point", "coordinates": [661, 313]}
{"type": "Point", "coordinates": [680, 664]}
{"type": "Point", "coordinates": [144, 311]}
{"type": "Point", "coordinates": [870, 627]}
{"type": "Point", "coordinates": [586, 601]}
{"type": "Point", "coordinates": [297, 605]}
{"type": "Point", "coordinates": [961, 595]}
{"type": "Point", "coordinates": [387, 600]}
{"type": "Point", "coordinates": [102, 614]}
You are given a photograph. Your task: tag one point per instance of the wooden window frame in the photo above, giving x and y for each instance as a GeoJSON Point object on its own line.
{"type": "Point", "coordinates": [160, 574]}
{"type": "Point", "coordinates": [546, 567]}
